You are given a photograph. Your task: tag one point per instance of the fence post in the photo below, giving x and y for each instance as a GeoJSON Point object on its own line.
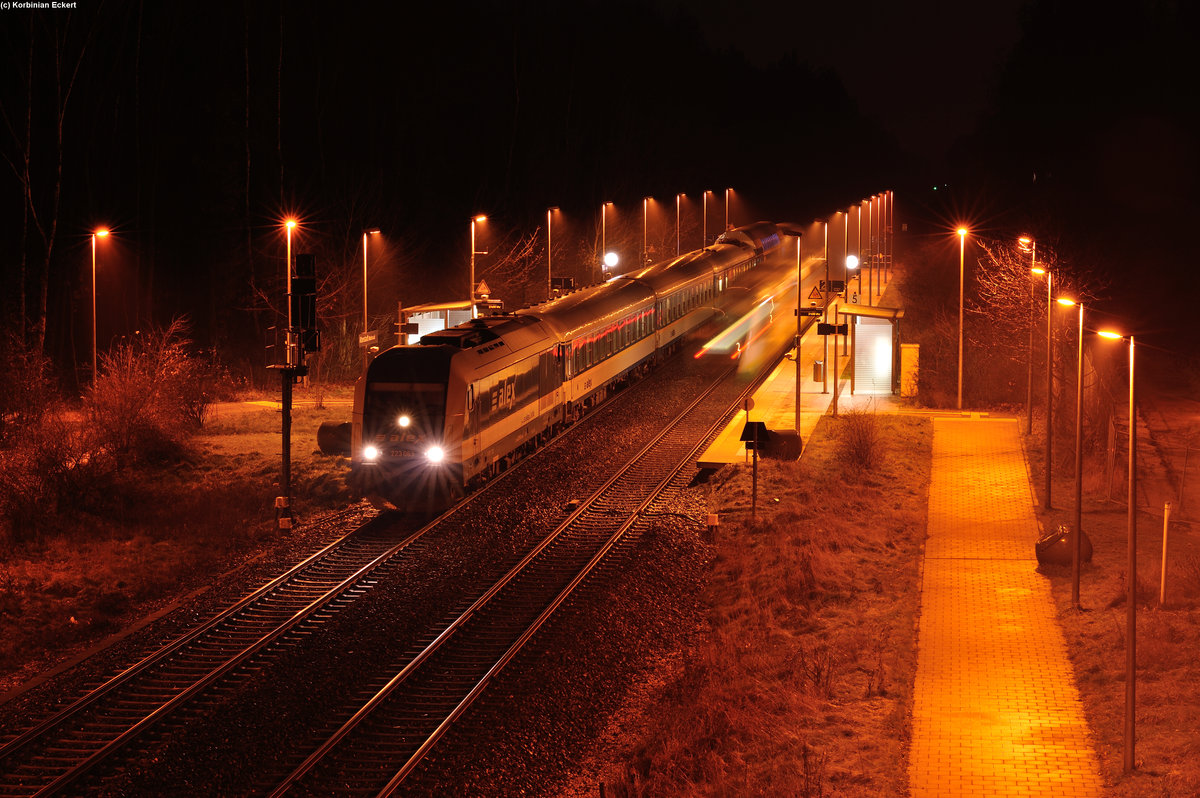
{"type": "Point", "coordinates": [1162, 580]}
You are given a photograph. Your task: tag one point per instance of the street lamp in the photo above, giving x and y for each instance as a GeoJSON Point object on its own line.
{"type": "Point", "coordinates": [1078, 456]}
{"type": "Point", "coordinates": [471, 296]}
{"type": "Point", "coordinates": [704, 224]}
{"type": "Point", "coordinates": [549, 246]}
{"type": "Point", "coordinates": [678, 197]}
{"type": "Point", "coordinates": [101, 232]}
{"type": "Point", "coordinates": [374, 231]}
{"type": "Point", "coordinates": [1029, 245]}
{"type": "Point", "coordinates": [1049, 376]}
{"type": "Point", "coordinates": [728, 191]}
{"type": "Point", "coordinates": [1130, 566]}
{"type": "Point", "coordinates": [962, 247]}
{"type": "Point", "coordinates": [603, 246]}
{"type": "Point", "coordinates": [610, 261]}
{"type": "Point", "coordinates": [645, 228]}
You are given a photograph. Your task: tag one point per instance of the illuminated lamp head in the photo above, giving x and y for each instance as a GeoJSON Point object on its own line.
{"type": "Point", "coordinates": [610, 260]}
{"type": "Point", "coordinates": [851, 262]}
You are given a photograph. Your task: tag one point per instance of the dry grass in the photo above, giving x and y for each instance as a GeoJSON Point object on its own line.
{"type": "Point", "coordinates": [802, 684]}
{"type": "Point", "coordinates": [156, 531]}
{"type": "Point", "coordinates": [1167, 750]}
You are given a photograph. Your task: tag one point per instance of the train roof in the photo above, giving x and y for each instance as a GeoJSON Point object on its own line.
{"type": "Point", "coordinates": [573, 314]}
{"type": "Point", "coordinates": [761, 236]}
{"type": "Point", "coordinates": [516, 331]}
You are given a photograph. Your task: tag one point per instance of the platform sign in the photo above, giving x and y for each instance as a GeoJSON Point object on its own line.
{"type": "Point", "coordinates": [833, 329]}
{"type": "Point", "coordinates": [833, 286]}
{"type": "Point", "coordinates": [755, 434]}
{"type": "Point", "coordinates": [368, 338]}
{"type": "Point", "coordinates": [807, 312]}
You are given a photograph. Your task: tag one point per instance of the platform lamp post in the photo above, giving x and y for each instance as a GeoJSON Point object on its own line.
{"type": "Point", "coordinates": [471, 293]}
{"type": "Point", "coordinates": [799, 328]}
{"type": "Point", "coordinates": [549, 247]}
{"type": "Point", "coordinates": [704, 222]}
{"type": "Point", "coordinates": [728, 191]}
{"type": "Point", "coordinates": [962, 248]}
{"type": "Point", "coordinates": [1049, 376]}
{"type": "Point", "coordinates": [374, 231]}
{"type": "Point", "coordinates": [1077, 543]}
{"type": "Point", "coordinates": [678, 197]}
{"type": "Point", "coordinates": [603, 245]}
{"type": "Point", "coordinates": [1027, 244]}
{"type": "Point", "coordinates": [101, 232]}
{"type": "Point", "coordinates": [645, 229]}
{"type": "Point", "coordinates": [1130, 564]}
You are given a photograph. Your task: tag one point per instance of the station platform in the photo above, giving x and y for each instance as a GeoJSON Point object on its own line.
{"type": "Point", "coordinates": [774, 403]}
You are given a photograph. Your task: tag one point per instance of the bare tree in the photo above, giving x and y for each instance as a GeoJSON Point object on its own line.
{"type": "Point", "coordinates": [42, 188]}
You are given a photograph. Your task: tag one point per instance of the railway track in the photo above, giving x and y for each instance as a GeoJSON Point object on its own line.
{"type": "Point", "coordinates": [384, 741]}
{"type": "Point", "coordinates": [77, 742]}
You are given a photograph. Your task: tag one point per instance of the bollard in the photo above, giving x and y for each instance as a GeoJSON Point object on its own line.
{"type": "Point", "coordinates": [1162, 580]}
{"type": "Point", "coordinates": [714, 524]}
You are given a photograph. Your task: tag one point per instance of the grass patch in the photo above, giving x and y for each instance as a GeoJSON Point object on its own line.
{"type": "Point", "coordinates": [802, 684]}
{"type": "Point", "coordinates": [156, 530]}
{"type": "Point", "coordinates": [1167, 748]}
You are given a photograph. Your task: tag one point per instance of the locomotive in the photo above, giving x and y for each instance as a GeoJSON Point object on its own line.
{"type": "Point", "coordinates": [434, 419]}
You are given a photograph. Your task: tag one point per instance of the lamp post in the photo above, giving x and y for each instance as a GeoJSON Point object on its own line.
{"type": "Point", "coordinates": [1078, 456]}
{"type": "Point", "coordinates": [1130, 565]}
{"type": "Point", "coordinates": [1029, 245]}
{"type": "Point", "coordinates": [962, 247]}
{"type": "Point", "coordinates": [101, 232]}
{"type": "Point", "coordinates": [471, 294]}
{"type": "Point", "coordinates": [1049, 377]}
{"type": "Point", "coordinates": [645, 228]}
{"type": "Point", "coordinates": [603, 246]}
{"type": "Point", "coordinates": [704, 223]}
{"type": "Point", "coordinates": [678, 197]}
{"type": "Point", "coordinates": [549, 246]}
{"type": "Point", "coordinates": [728, 191]}
{"type": "Point", "coordinates": [374, 231]}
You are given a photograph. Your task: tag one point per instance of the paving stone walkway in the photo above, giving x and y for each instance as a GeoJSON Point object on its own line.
{"type": "Point", "coordinates": [995, 711]}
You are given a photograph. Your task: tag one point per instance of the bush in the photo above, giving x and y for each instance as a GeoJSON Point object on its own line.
{"type": "Point", "coordinates": [149, 395]}
{"type": "Point", "coordinates": [859, 437]}
{"type": "Point", "coordinates": [25, 390]}
{"type": "Point", "coordinates": [46, 468]}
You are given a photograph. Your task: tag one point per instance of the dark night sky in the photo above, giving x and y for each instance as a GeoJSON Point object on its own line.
{"type": "Point", "coordinates": [413, 120]}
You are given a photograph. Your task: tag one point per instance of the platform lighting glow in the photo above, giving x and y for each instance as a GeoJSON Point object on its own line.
{"type": "Point", "coordinates": [370, 453]}
{"type": "Point", "coordinates": [404, 421]}
{"type": "Point", "coordinates": [962, 231]}
{"type": "Point", "coordinates": [1038, 270]}
{"type": "Point", "coordinates": [434, 454]}
{"type": "Point", "coordinates": [610, 260]}
{"type": "Point", "coordinates": [101, 233]}
{"type": "Point", "coordinates": [290, 223]}
{"type": "Point", "coordinates": [1116, 336]}
{"type": "Point", "coordinates": [1065, 302]}
{"type": "Point", "coordinates": [851, 262]}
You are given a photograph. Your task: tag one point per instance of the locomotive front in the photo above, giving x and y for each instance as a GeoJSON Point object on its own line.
{"type": "Point", "coordinates": [404, 447]}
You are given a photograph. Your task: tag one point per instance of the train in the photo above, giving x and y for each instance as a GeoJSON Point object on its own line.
{"type": "Point", "coordinates": [433, 420]}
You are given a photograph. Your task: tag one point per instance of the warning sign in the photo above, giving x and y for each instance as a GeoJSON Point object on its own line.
{"type": "Point", "coordinates": [815, 293]}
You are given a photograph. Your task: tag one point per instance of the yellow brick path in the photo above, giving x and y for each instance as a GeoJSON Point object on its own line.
{"type": "Point", "coordinates": [995, 712]}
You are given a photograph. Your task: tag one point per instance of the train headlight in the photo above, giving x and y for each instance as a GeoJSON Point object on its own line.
{"type": "Point", "coordinates": [404, 421]}
{"type": "Point", "coordinates": [370, 454]}
{"type": "Point", "coordinates": [434, 454]}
